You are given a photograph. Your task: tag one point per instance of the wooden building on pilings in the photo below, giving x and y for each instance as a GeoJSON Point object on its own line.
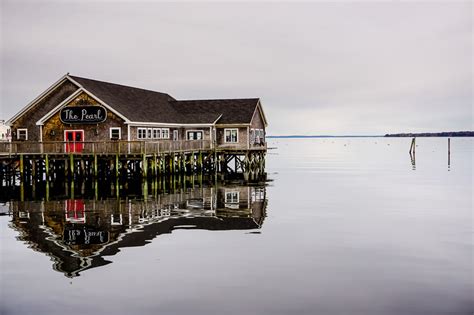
{"type": "Point", "coordinates": [85, 127]}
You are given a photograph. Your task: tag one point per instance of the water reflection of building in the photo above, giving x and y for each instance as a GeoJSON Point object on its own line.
{"type": "Point", "coordinates": [77, 234]}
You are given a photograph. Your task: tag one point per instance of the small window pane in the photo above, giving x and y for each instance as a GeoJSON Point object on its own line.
{"type": "Point", "coordinates": [231, 135]}
{"type": "Point", "coordinates": [141, 133]}
{"type": "Point", "coordinates": [156, 133]}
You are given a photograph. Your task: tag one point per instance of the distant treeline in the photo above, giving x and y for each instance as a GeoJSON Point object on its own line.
{"type": "Point", "coordinates": [434, 134]}
{"type": "Point", "coordinates": [322, 136]}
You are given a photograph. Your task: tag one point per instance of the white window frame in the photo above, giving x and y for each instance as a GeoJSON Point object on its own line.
{"type": "Point", "coordinates": [190, 131]}
{"type": "Point", "coordinates": [21, 130]}
{"type": "Point", "coordinates": [175, 135]}
{"type": "Point", "coordinates": [149, 133]}
{"type": "Point", "coordinates": [232, 203]}
{"type": "Point", "coordinates": [163, 131]}
{"type": "Point", "coordinates": [156, 133]}
{"type": "Point", "coordinates": [236, 135]}
{"type": "Point", "coordinates": [115, 128]}
{"type": "Point", "coordinates": [138, 133]}
{"type": "Point", "coordinates": [233, 194]}
{"type": "Point", "coordinates": [257, 136]}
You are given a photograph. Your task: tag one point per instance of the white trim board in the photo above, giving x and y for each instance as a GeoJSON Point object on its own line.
{"type": "Point", "coordinates": [170, 125]}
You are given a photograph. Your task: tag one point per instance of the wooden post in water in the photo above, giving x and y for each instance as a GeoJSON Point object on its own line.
{"type": "Point", "coordinates": [449, 152]}
{"type": "Point", "coordinates": [46, 166]}
{"type": "Point", "coordinates": [95, 165]}
{"type": "Point", "coordinates": [71, 166]}
{"type": "Point", "coordinates": [117, 166]}
{"type": "Point", "coordinates": [144, 166]}
{"type": "Point", "coordinates": [21, 167]}
{"type": "Point", "coordinates": [412, 146]}
{"type": "Point", "coordinates": [155, 173]}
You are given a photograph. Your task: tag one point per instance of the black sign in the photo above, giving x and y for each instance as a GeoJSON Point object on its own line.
{"type": "Point", "coordinates": [84, 236]}
{"type": "Point", "coordinates": [83, 114]}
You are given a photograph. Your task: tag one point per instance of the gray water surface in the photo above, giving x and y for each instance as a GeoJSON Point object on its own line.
{"type": "Point", "coordinates": [345, 226]}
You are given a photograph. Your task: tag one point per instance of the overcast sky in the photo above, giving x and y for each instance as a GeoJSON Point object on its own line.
{"type": "Point", "coordinates": [318, 67]}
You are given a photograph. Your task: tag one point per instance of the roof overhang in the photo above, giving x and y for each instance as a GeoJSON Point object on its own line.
{"type": "Point", "coordinates": [231, 125]}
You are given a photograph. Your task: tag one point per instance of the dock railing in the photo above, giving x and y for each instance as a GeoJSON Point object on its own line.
{"type": "Point", "coordinates": [103, 147]}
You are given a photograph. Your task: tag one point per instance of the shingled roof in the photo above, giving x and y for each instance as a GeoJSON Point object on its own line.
{"type": "Point", "coordinates": [140, 105]}
{"type": "Point", "coordinates": [233, 111]}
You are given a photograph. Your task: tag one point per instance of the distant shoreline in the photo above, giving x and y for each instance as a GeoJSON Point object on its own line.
{"type": "Point", "coordinates": [434, 134]}
{"type": "Point", "coordinates": [425, 134]}
{"type": "Point", "coordinates": [323, 136]}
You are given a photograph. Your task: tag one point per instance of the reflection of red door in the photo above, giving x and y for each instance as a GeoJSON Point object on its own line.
{"type": "Point", "coordinates": [75, 211]}
{"type": "Point", "coordinates": [74, 140]}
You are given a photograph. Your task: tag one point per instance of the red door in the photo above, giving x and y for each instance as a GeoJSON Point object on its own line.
{"type": "Point", "coordinates": [74, 140]}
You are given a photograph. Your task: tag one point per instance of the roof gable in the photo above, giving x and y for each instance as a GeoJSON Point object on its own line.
{"type": "Point", "coordinates": [58, 91]}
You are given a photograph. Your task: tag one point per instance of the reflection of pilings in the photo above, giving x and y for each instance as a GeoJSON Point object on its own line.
{"type": "Point", "coordinates": [413, 162]}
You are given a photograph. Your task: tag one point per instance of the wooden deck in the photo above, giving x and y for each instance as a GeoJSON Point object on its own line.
{"type": "Point", "coordinates": [15, 148]}
{"type": "Point", "coordinates": [30, 161]}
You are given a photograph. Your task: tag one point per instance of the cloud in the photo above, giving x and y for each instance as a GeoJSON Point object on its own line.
{"type": "Point", "coordinates": [332, 68]}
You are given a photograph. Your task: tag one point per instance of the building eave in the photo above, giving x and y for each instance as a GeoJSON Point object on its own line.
{"type": "Point", "coordinates": [144, 124]}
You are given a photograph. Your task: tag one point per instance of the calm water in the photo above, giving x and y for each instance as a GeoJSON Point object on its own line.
{"type": "Point", "coordinates": [345, 226]}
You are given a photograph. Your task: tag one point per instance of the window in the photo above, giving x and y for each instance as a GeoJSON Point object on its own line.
{"type": "Point", "coordinates": [165, 133]}
{"type": "Point", "coordinates": [156, 133]}
{"type": "Point", "coordinates": [257, 135]}
{"type": "Point", "coordinates": [175, 135]}
{"type": "Point", "coordinates": [141, 133]}
{"type": "Point", "coordinates": [232, 199]}
{"type": "Point", "coordinates": [194, 135]}
{"type": "Point", "coordinates": [262, 136]}
{"type": "Point", "coordinates": [258, 194]}
{"type": "Point", "coordinates": [231, 135]}
{"type": "Point", "coordinates": [115, 133]}
{"type": "Point", "coordinates": [252, 136]}
{"type": "Point", "coordinates": [116, 219]}
{"type": "Point", "coordinates": [149, 133]}
{"type": "Point", "coordinates": [22, 134]}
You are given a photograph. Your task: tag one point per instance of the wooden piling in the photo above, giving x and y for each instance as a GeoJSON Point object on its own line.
{"type": "Point", "coordinates": [413, 145]}
{"type": "Point", "coordinates": [117, 173]}
{"type": "Point", "coordinates": [95, 165]}
{"type": "Point", "coordinates": [21, 166]}
{"type": "Point", "coordinates": [144, 166]}
{"type": "Point", "coordinates": [449, 152]}
{"type": "Point", "coordinates": [71, 166]}
{"type": "Point", "coordinates": [46, 166]}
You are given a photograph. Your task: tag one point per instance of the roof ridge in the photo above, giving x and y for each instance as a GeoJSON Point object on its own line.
{"type": "Point", "coordinates": [116, 84]}
{"type": "Point", "coordinates": [217, 99]}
